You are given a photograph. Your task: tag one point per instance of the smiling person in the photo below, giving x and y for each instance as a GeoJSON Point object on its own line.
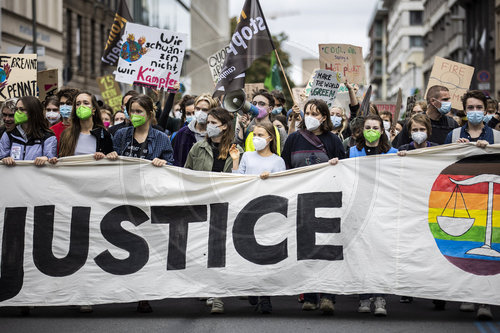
{"type": "Point", "coordinates": [31, 139]}
{"type": "Point", "coordinates": [8, 109]}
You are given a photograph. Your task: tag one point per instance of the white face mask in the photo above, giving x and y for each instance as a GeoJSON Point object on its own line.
{"type": "Point", "coordinates": [213, 130]}
{"type": "Point", "coordinates": [311, 123]}
{"type": "Point", "coordinates": [117, 122]}
{"type": "Point", "coordinates": [419, 137]}
{"type": "Point", "coordinates": [259, 143]}
{"type": "Point", "coordinates": [387, 125]}
{"type": "Point", "coordinates": [178, 114]}
{"type": "Point", "coordinates": [52, 116]}
{"type": "Point", "coordinates": [201, 116]}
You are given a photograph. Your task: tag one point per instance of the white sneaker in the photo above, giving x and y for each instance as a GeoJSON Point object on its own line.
{"type": "Point", "coordinates": [209, 301]}
{"type": "Point", "coordinates": [326, 306]}
{"type": "Point", "coordinates": [308, 306]}
{"type": "Point", "coordinates": [467, 307]}
{"type": "Point", "coordinates": [484, 312]}
{"type": "Point", "coordinates": [365, 306]}
{"type": "Point", "coordinates": [217, 305]}
{"type": "Point", "coordinates": [380, 307]}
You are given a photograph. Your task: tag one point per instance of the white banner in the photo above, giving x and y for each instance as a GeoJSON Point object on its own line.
{"type": "Point", "coordinates": [87, 232]}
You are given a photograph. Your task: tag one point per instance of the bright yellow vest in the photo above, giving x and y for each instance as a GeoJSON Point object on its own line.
{"type": "Point", "coordinates": [249, 142]}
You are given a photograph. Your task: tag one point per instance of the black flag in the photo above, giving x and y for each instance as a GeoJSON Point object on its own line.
{"type": "Point", "coordinates": [113, 46]}
{"type": "Point", "coordinates": [250, 41]}
{"type": "Point", "coordinates": [21, 51]}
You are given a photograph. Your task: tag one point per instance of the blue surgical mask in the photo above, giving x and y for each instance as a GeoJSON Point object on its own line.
{"type": "Point", "coordinates": [445, 107]}
{"type": "Point", "coordinates": [336, 120]}
{"type": "Point", "coordinates": [126, 113]}
{"type": "Point", "coordinates": [189, 119]}
{"type": "Point", "coordinates": [277, 110]}
{"type": "Point", "coordinates": [475, 117]}
{"type": "Point", "coordinates": [487, 118]}
{"type": "Point", "coordinates": [65, 110]}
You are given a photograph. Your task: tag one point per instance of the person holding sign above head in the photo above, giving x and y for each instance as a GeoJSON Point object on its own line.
{"type": "Point", "coordinates": [195, 131]}
{"type": "Point", "coordinates": [31, 139]}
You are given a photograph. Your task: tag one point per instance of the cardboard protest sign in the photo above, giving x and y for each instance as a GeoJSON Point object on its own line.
{"type": "Point", "coordinates": [307, 89]}
{"type": "Point", "coordinates": [325, 86]}
{"type": "Point", "coordinates": [385, 106]}
{"type": "Point", "coordinates": [454, 76]}
{"type": "Point", "coordinates": [252, 88]}
{"type": "Point", "coordinates": [150, 57]}
{"type": "Point", "coordinates": [344, 58]}
{"type": "Point", "coordinates": [299, 97]}
{"type": "Point", "coordinates": [17, 75]}
{"type": "Point", "coordinates": [47, 83]}
{"type": "Point", "coordinates": [110, 91]}
{"type": "Point", "coordinates": [216, 62]}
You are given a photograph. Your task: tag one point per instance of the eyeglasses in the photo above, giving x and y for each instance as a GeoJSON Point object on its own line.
{"type": "Point", "coordinates": [7, 115]}
{"type": "Point", "coordinates": [260, 103]}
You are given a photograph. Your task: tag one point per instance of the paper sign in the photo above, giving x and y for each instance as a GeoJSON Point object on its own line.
{"type": "Point", "coordinates": [110, 91]}
{"type": "Point", "coordinates": [17, 75]}
{"type": "Point", "coordinates": [216, 63]}
{"type": "Point", "coordinates": [150, 57]}
{"type": "Point", "coordinates": [325, 86]}
{"type": "Point", "coordinates": [47, 83]}
{"type": "Point", "coordinates": [345, 59]}
{"type": "Point", "coordinates": [385, 106]}
{"type": "Point", "coordinates": [252, 88]}
{"type": "Point", "coordinates": [299, 97]}
{"type": "Point", "coordinates": [307, 89]}
{"type": "Point", "coordinates": [454, 76]}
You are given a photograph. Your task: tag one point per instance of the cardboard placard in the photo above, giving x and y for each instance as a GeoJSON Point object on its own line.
{"type": "Point", "coordinates": [47, 82]}
{"type": "Point", "coordinates": [454, 76]}
{"type": "Point", "coordinates": [216, 63]}
{"type": "Point", "coordinates": [17, 75]}
{"type": "Point", "coordinates": [110, 91]}
{"type": "Point", "coordinates": [150, 57]}
{"type": "Point", "coordinates": [385, 106]}
{"type": "Point", "coordinates": [344, 58]}
{"type": "Point", "coordinates": [300, 97]}
{"type": "Point", "coordinates": [252, 88]}
{"type": "Point", "coordinates": [325, 86]}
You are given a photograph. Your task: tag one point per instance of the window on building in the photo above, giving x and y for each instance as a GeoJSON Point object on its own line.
{"type": "Point", "coordinates": [69, 38]}
{"type": "Point", "coordinates": [378, 29]}
{"type": "Point", "coordinates": [78, 46]}
{"type": "Point", "coordinates": [92, 46]}
{"type": "Point", "coordinates": [416, 17]}
{"type": "Point", "coordinates": [378, 67]}
{"type": "Point", "coordinates": [378, 48]}
{"type": "Point", "coordinates": [416, 41]}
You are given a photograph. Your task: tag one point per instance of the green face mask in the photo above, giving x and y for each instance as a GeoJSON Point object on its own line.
{"type": "Point", "coordinates": [83, 112]}
{"type": "Point", "coordinates": [137, 120]}
{"type": "Point", "coordinates": [20, 117]}
{"type": "Point", "coordinates": [371, 135]}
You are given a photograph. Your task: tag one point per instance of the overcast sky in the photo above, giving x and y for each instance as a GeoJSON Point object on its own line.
{"type": "Point", "coordinates": [312, 22]}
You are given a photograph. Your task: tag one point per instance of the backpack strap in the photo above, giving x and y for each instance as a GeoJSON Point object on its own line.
{"type": "Point", "coordinates": [313, 139]}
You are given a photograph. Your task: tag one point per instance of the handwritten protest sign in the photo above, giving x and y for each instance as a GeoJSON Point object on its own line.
{"type": "Point", "coordinates": [385, 106]}
{"type": "Point", "coordinates": [454, 76]}
{"type": "Point", "coordinates": [345, 59]}
{"type": "Point", "coordinates": [252, 88]}
{"type": "Point", "coordinates": [110, 91]}
{"type": "Point", "coordinates": [47, 83]}
{"type": "Point", "coordinates": [150, 57]}
{"type": "Point", "coordinates": [216, 63]}
{"type": "Point", "coordinates": [17, 75]}
{"type": "Point", "coordinates": [307, 89]}
{"type": "Point", "coordinates": [299, 97]}
{"type": "Point", "coordinates": [325, 86]}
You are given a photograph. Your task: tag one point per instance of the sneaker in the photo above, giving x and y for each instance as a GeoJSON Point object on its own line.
{"type": "Point", "coordinates": [217, 305]}
{"type": "Point", "coordinates": [265, 306]}
{"type": "Point", "coordinates": [439, 305]}
{"type": "Point", "coordinates": [364, 306]}
{"type": "Point", "coordinates": [380, 307]}
{"type": "Point", "coordinates": [308, 306]}
{"type": "Point", "coordinates": [484, 312]}
{"type": "Point", "coordinates": [253, 300]}
{"type": "Point", "coordinates": [144, 307]}
{"type": "Point", "coordinates": [406, 299]}
{"type": "Point", "coordinates": [209, 301]}
{"type": "Point", "coordinates": [467, 307]}
{"type": "Point", "coordinates": [326, 306]}
{"type": "Point", "coordinates": [86, 309]}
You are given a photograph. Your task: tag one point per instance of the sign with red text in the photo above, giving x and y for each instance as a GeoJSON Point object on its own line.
{"type": "Point", "coordinates": [110, 91]}
{"type": "Point", "coordinates": [150, 57]}
{"type": "Point", "coordinates": [343, 58]}
{"type": "Point", "coordinates": [385, 106]}
{"type": "Point", "coordinates": [47, 83]}
{"type": "Point", "coordinates": [17, 75]}
{"type": "Point", "coordinates": [454, 76]}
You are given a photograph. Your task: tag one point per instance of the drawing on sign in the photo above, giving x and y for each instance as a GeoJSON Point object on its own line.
{"type": "Point", "coordinates": [4, 75]}
{"type": "Point", "coordinates": [133, 50]}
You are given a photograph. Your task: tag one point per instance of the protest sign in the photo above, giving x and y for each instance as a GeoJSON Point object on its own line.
{"type": "Point", "coordinates": [325, 86]}
{"type": "Point", "coordinates": [150, 57]}
{"type": "Point", "coordinates": [110, 91]}
{"type": "Point", "coordinates": [454, 76]}
{"type": "Point", "coordinates": [252, 88]}
{"type": "Point", "coordinates": [216, 62]}
{"type": "Point", "coordinates": [299, 97]}
{"type": "Point", "coordinates": [172, 232]}
{"type": "Point", "coordinates": [344, 58]}
{"type": "Point", "coordinates": [17, 75]}
{"type": "Point", "coordinates": [307, 89]}
{"type": "Point", "coordinates": [113, 46]}
{"type": "Point", "coordinates": [385, 106]}
{"type": "Point", "coordinates": [47, 82]}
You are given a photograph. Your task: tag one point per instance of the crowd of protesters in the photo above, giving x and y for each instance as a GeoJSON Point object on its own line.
{"type": "Point", "coordinates": [197, 133]}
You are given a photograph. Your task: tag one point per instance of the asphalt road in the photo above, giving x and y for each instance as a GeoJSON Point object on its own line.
{"type": "Point", "coordinates": [191, 315]}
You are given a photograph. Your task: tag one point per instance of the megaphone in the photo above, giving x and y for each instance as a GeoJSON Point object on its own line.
{"type": "Point", "coordinates": [235, 101]}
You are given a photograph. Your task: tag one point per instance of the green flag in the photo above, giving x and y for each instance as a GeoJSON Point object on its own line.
{"type": "Point", "coordinates": [273, 80]}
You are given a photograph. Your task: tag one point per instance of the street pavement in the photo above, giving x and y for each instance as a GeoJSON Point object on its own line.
{"type": "Point", "coordinates": [191, 315]}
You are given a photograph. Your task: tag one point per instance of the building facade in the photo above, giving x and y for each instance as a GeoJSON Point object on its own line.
{"type": "Point", "coordinates": [377, 55]}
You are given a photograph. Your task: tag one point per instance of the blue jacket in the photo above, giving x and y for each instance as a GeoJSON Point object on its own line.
{"type": "Point", "coordinates": [158, 144]}
{"type": "Point", "coordinates": [486, 134]}
{"type": "Point", "coordinates": [354, 152]}
{"type": "Point", "coordinates": [15, 145]}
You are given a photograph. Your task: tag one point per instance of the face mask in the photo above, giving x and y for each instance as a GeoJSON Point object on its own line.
{"type": "Point", "coordinates": [189, 119]}
{"type": "Point", "coordinates": [277, 110]}
{"type": "Point", "coordinates": [126, 113]}
{"type": "Point", "coordinates": [117, 122]}
{"type": "Point", "coordinates": [371, 135]}
{"type": "Point", "coordinates": [336, 120]}
{"type": "Point", "coordinates": [259, 143]}
{"type": "Point", "coordinates": [213, 130]}
{"type": "Point", "coordinates": [312, 123]}
{"type": "Point", "coordinates": [106, 124]}
{"type": "Point", "coordinates": [52, 117]}
{"type": "Point", "coordinates": [65, 110]}
{"type": "Point", "coordinates": [419, 137]}
{"type": "Point", "coordinates": [487, 118]}
{"type": "Point", "coordinates": [137, 120]}
{"type": "Point", "coordinates": [387, 125]}
{"type": "Point", "coordinates": [475, 117]}
{"type": "Point", "coordinates": [20, 117]}
{"type": "Point", "coordinates": [83, 112]}
{"type": "Point", "coordinates": [201, 117]}
{"type": "Point", "coordinates": [445, 107]}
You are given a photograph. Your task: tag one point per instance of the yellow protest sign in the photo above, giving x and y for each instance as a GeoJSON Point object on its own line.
{"type": "Point", "coordinates": [110, 91]}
